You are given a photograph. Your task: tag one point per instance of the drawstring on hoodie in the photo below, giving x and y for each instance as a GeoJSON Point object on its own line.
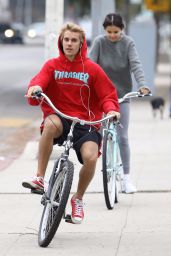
{"type": "Point", "coordinates": [90, 113]}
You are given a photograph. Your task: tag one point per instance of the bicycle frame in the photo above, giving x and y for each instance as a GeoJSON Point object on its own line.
{"type": "Point", "coordinates": [113, 136]}
{"type": "Point", "coordinates": [111, 164]}
{"type": "Point", "coordinates": [56, 197]}
{"type": "Point", "coordinates": [63, 157]}
{"type": "Point", "coordinates": [111, 160]}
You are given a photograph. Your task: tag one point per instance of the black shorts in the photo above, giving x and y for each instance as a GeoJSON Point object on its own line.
{"type": "Point", "coordinates": [81, 134]}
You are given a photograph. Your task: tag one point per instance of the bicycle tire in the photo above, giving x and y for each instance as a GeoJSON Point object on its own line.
{"type": "Point", "coordinates": [109, 175]}
{"type": "Point", "coordinates": [52, 214]}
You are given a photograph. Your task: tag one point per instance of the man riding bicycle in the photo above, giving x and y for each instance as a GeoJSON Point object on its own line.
{"type": "Point", "coordinates": [75, 85]}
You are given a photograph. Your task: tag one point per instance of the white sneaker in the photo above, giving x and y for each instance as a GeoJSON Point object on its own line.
{"type": "Point", "coordinates": [128, 188]}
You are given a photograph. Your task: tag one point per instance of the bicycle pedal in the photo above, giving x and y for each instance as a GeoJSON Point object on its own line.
{"type": "Point", "coordinates": [68, 219]}
{"type": "Point", "coordinates": [37, 191]}
{"type": "Point", "coordinates": [43, 199]}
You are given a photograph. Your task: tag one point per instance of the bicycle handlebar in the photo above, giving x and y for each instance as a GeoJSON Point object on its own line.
{"type": "Point", "coordinates": [132, 95]}
{"type": "Point", "coordinates": [129, 95]}
{"type": "Point", "coordinates": [39, 94]}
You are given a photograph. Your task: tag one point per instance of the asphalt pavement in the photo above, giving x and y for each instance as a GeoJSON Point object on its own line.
{"type": "Point", "coordinates": [140, 224]}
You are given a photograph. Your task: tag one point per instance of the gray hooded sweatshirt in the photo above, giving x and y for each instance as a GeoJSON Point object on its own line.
{"type": "Point", "coordinates": [118, 59]}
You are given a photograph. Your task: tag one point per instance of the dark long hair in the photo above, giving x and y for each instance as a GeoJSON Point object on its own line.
{"type": "Point", "coordinates": [113, 19]}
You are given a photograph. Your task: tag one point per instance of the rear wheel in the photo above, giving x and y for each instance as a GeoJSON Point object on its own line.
{"type": "Point", "coordinates": [54, 207]}
{"type": "Point", "coordinates": [109, 175]}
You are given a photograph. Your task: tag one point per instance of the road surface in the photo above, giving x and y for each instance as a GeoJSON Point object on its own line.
{"type": "Point", "coordinates": [18, 64]}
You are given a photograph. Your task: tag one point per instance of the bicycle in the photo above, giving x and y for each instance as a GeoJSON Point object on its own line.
{"type": "Point", "coordinates": [56, 196]}
{"type": "Point", "coordinates": [112, 168]}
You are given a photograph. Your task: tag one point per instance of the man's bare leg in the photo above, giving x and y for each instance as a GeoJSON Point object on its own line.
{"type": "Point", "coordinates": [52, 129]}
{"type": "Point", "coordinates": [89, 152]}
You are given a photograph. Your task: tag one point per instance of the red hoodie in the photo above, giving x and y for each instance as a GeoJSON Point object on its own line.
{"type": "Point", "coordinates": [79, 88]}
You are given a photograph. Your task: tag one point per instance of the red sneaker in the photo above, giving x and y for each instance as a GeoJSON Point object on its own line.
{"type": "Point", "coordinates": [35, 183]}
{"type": "Point", "coordinates": [77, 214]}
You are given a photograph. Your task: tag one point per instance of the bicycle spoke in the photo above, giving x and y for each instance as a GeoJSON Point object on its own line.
{"type": "Point", "coordinates": [55, 205]}
{"type": "Point", "coordinates": [110, 168]}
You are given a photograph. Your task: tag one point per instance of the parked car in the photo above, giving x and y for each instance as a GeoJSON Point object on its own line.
{"type": "Point", "coordinates": [35, 33]}
{"type": "Point", "coordinates": [11, 33]}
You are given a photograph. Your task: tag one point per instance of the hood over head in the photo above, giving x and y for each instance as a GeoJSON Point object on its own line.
{"type": "Point", "coordinates": [81, 55]}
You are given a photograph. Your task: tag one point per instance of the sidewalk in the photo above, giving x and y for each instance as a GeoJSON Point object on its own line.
{"type": "Point", "coordinates": [139, 225]}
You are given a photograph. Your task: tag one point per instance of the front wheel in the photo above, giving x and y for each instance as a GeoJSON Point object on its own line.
{"type": "Point", "coordinates": [54, 207]}
{"type": "Point", "coordinates": [109, 173]}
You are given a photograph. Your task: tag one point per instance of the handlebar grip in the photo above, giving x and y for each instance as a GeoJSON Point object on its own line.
{"type": "Point", "coordinates": [142, 95]}
{"type": "Point", "coordinates": [37, 93]}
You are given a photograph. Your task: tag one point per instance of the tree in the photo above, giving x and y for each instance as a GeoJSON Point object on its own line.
{"type": "Point", "coordinates": [160, 9]}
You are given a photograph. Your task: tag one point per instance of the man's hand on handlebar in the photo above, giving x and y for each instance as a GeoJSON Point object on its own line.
{"type": "Point", "coordinates": [144, 90]}
{"type": "Point", "coordinates": [33, 89]}
{"type": "Point", "coordinates": [115, 114]}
